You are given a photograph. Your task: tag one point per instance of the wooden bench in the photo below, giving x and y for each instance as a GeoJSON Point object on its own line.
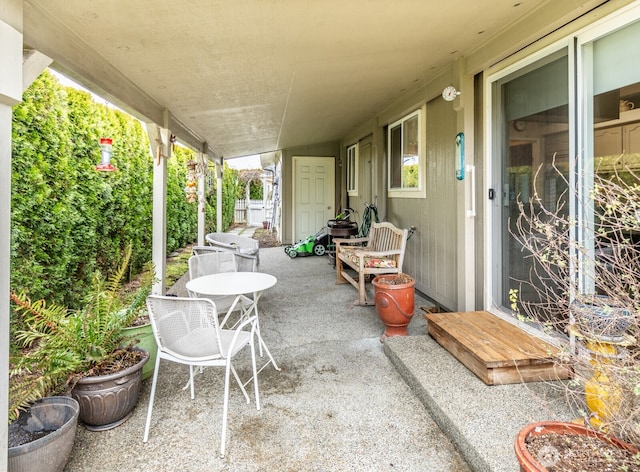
{"type": "Point", "coordinates": [382, 252]}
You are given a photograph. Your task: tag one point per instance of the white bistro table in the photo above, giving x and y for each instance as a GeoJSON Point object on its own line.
{"type": "Point", "coordinates": [237, 284]}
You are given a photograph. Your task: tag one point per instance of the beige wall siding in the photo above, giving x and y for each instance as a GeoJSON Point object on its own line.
{"type": "Point", "coordinates": [431, 252]}
{"type": "Point", "coordinates": [432, 257]}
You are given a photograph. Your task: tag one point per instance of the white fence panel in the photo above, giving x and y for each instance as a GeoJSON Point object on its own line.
{"type": "Point", "coordinates": [240, 211]}
{"type": "Point", "coordinates": [253, 213]}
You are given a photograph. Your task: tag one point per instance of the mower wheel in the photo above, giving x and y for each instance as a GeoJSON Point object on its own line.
{"type": "Point", "coordinates": [293, 253]}
{"type": "Point", "coordinates": [286, 249]}
{"type": "Point", "coordinates": [319, 249]}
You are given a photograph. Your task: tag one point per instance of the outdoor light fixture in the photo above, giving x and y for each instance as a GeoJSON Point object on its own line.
{"type": "Point", "coordinates": [105, 152]}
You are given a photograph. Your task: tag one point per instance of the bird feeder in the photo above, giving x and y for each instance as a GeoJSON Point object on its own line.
{"type": "Point", "coordinates": [105, 153]}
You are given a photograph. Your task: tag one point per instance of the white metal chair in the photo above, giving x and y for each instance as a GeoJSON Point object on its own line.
{"type": "Point", "coordinates": [187, 331]}
{"type": "Point", "coordinates": [245, 262]}
{"type": "Point", "coordinates": [216, 263]}
{"type": "Point", "coordinates": [247, 248]}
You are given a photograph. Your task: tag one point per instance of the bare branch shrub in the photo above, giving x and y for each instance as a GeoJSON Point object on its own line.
{"type": "Point", "coordinates": [584, 279]}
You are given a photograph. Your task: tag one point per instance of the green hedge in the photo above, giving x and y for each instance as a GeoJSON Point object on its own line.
{"type": "Point", "coordinates": [67, 219]}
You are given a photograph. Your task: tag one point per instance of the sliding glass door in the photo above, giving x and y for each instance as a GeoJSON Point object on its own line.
{"type": "Point", "coordinates": [531, 133]}
{"type": "Point", "coordinates": [561, 123]}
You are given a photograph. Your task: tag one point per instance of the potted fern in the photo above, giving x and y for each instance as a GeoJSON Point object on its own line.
{"type": "Point", "coordinates": [139, 329]}
{"type": "Point", "coordinates": [83, 352]}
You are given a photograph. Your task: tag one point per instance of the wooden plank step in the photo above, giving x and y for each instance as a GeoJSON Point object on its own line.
{"type": "Point", "coordinates": [497, 351]}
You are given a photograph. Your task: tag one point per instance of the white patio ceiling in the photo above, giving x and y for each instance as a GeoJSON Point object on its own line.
{"type": "Point", "coordinates": [255, 76]}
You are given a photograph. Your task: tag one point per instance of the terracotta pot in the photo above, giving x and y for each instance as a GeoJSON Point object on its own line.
{"type": "Point", "coordinates": [106, 401]}
{"type": "Point", "coordinates": [394, 296]}
{"type": "Point", "coordinates": [528, 463]}
{"type": "Point", "coordinates": [50, 453]}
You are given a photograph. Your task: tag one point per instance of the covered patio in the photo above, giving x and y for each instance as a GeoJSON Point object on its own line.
{"type": "Point", "coordinates": [308, 81]}
{"type": "Point", "coordinates": [343, 400]}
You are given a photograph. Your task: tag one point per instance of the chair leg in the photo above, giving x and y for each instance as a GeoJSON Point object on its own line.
{"type": "Point", "coordinates": [225, 409]}
{"type": "Point", "coordinates": [244, 391]}
{"type": "Point", "coordinates": [151, 398]}
{"type": "Point", "coordinates": [256, 297]}
{"type": "Point", "coordinates": [255, 371]}
{"type": "Point", "coordinates": [191, 380]}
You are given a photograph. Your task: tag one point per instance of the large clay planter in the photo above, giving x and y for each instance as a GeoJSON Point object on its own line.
{"type": "Point", "coordinates": [394, 296]}
{"type": "Point", "coordinates": [50, 453]}
{"type": "Point", "coordinates": [106, 401]}
{"type": "Point", "coordinates": [528, 463]}
{"type": "Point", "coordinates": [147, 342]}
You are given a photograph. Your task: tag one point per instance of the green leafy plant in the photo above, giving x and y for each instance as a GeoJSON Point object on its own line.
{"type": "Point", "coordinates": [60, 346]}
{"type": "Point", "coordinates": [65, 216]}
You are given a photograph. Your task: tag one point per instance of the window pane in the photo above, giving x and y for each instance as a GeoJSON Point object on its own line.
{"type": "Point", "coordinates": [396, 157]}
{"type": "Point", "coordinates": [410, 153]}
{"type": "Point", "coordinates": [351, 167]}
{"type": "Point", "coordinates": [612, 228]}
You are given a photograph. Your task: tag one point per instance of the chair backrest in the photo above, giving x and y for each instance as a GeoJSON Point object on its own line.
{"type": "Point", "coordinates": [247, 249]}
{"type": "Point", "coordinates": [186, 328]}
{"type": "Point", "coordinates": [230, 240]}
{"type": "Point", "coordinates": [212, 263]}
{"type": "Point", "coordinates": [199, 250]}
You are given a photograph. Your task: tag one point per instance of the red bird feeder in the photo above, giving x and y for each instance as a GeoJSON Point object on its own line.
{"type": "Point", "coordinates": [105, 152]}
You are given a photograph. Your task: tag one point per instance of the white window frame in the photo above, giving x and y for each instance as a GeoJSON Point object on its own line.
{"type": "Point", "coordinates": [353, 158]}
{"type": "Point", "coordinates": [420, 190]}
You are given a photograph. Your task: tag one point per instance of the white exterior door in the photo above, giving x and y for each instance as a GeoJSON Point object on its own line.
{"type": "Point", "coordinates": [313, 194]}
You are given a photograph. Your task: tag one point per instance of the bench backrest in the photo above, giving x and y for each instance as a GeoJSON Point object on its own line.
{"type": "Point", "coordinates": [386, 237]}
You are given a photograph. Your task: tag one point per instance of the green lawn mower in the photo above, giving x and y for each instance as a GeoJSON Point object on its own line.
{"type": "Point", "coordinates": [316, 244]}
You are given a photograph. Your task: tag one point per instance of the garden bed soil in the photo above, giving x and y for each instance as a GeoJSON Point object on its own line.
{"type": "Point", "coordinates": [266, 237]}
{"type": "Point", "coordinates": [396, 279]}
{"type": "Point", "coordinates": [19, 435]}
{"type": "Point", "coordinates": [123, 359]}
{"type": "Point", "coordinates": [569, 453]}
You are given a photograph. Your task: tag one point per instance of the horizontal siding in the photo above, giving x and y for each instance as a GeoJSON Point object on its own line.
{"type": "Point", "coordinates": [431, 256]}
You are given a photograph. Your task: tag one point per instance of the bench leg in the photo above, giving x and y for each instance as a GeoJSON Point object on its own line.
{"type": "Point", "coordinates": [340, 279]}
{"type": "Point", "coordinates": [362, 291]}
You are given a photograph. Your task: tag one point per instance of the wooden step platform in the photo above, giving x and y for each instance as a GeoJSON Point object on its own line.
{"type": "Point", "coordinates": [496, 351]}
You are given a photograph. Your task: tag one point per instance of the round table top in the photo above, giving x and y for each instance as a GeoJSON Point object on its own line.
{"type": "Point", "coordinates": [231, 283]}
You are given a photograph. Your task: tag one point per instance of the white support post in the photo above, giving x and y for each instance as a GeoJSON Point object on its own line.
{"type": "Point", "coordinates": [5, 232]}
{"type": "Point", "coordinates": [202, 198]}
{"type": "Point", "coordinates": [10, 94]}
{"type": "Point", "coordinates": [264, 196]}
{"type": "Point", "coordinates": [219, 198]}
{"type": "Point", "coordinates": [466, 197]}
{"type": "Point", "coordinates": [160, 140]}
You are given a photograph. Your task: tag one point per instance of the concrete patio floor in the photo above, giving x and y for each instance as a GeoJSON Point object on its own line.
{"type": "Point", "coordinates": [342, 402]}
